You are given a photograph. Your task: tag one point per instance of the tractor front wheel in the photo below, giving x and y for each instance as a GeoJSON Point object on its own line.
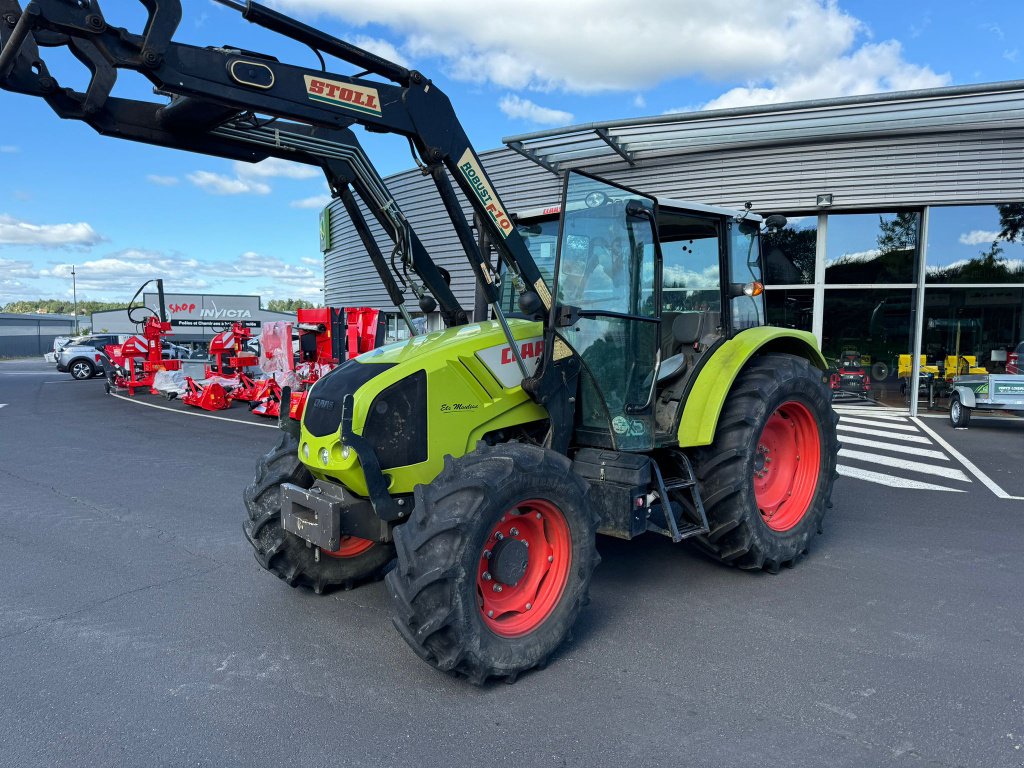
{"type": "Point", "coordinates": [495, 561]}
{"type": "Point", "coordinates": [767, 478]}
{"type": "Point", "coordinates": [288, 556]}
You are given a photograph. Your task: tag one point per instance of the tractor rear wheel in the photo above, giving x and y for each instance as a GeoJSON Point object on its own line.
{"type": "Point", "coordinates": [767, 478]}
{"type": "Point", "coordinates": [495, 561]}
{"type": "Point", "coordinates": [288, 556]}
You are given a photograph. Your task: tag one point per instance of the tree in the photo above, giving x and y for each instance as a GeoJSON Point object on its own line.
{"type": "Point", "coordinates": [899, 233]}
{"type": "Point", "coordinates": [288, 305]}
{"type": "Point", "coordinates": [1011, 222]}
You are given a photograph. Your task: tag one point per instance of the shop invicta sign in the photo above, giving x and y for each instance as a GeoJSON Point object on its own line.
{"type": "Point", "coordinates": [474, 174]}
{"type": "Point", "coordinates": [347, 95]}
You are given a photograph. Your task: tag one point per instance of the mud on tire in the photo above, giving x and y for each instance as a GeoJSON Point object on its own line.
{"type": "Point", "coordinates": [438, 589]}
{"type": "Point", "coordinates": [740, 534]}
{"type": "Point", "coordinates": [285, 554]}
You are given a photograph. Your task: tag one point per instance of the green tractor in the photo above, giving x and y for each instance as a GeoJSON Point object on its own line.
{"type": "Point", "coordinates": [625, 383]}
{"type": "Point", "coordinates": [685, 416]}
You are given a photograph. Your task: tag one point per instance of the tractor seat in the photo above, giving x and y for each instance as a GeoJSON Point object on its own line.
{"type": "Point", "coordinates": [685, 331]}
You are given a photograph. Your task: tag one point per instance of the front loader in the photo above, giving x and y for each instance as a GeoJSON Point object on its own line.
{"type": "Point", "coordinates": [625, 391]}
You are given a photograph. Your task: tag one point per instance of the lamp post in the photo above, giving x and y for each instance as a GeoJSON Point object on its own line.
{"type": "Point", "coordinates": [74, 294]}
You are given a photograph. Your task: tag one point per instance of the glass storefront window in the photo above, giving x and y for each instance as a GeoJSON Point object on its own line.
{"type": "Point", "coordinates": [972, 327]}
{"type": "Point", "coordinates": [789, 252]}
{"type": "Point", "coordinates": [976, 244]}
{"type": "Point", "coordinates": [789, 308]}
{"type": "Point", "coordinates": [864, 334]}
{"type": "Point", "coordinates": [871, 248]}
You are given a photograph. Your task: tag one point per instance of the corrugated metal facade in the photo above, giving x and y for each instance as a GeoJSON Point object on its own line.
{"type": "Point", "coordinates": [28, 335]}
{"type": "Point", "coordinates": [947, 146]}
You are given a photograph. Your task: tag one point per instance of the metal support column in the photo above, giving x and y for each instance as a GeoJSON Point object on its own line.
{"type": "Point", "coordinates": [818, 310]}
{"type": "Point", "coordinates": [915, 360]}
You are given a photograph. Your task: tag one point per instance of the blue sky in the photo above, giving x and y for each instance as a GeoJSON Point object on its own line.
{"type": "Point", "coordinates": [123, 213]}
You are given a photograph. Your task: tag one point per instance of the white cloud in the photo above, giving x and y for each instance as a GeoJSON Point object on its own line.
{"type": "Point", "coordinates": [1012, 55]}
{"type": "Point", "coordinates": [17, 268]}
{"type": "Point", "coordinates": [546, 45]}
{"type": "Point", "coordinates": [216, 184]}
{"type": "Point", "coordinates": [639, 101]}
{"type": "Point", "coordinates": [979, 237]}
{"type": "Point", "coordinates": [8, 149]}
{"type": "Point", "coordinates": [861, 256]}
{"type": "Point", "coordinates": [121, 272]}
{"type": "Point", "coordinates": [873, 68]}
{"type": "Point", "coordinates": [316, 201]}
{"type": "Point", "coordinates": [162, 181]}
{"type": "Point", "coordinates": [524, 109]}
{"type": "Point", "coordinates": [16, 232]}
{"type": "Point", "coordinates": [274, 167]}
{"type": "Point", "coordinates": [252, 264]}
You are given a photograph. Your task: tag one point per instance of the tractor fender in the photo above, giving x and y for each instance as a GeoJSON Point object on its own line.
{"type": "Point", "coordinates": [714, 382]}
{"type": "Point", "coordinates": [967, 398]}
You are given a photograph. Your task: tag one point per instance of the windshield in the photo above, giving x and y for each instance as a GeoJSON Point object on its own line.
{"type": "Point", "coordinates": [541, 237]}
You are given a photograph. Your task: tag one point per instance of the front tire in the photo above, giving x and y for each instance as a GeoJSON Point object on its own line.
{"type": "Point", "coordinates": [286, 555]}
{"type": "Point", "coordinates": [495, 562]}
{"type": "Point", "coordinates": [959, 414]}
{"type": "Point", "coordinates": [767, 478]}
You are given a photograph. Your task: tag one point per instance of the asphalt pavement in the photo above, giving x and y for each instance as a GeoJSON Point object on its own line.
{"type": "Point", "coordinates": [137, 629]}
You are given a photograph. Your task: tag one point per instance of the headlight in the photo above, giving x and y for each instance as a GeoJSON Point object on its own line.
{"type": "Point", "coordinates": [325, 456]}
{"type": "Point", "coordinates": [305, 450]}
{"type": "Point", "coordinates": [345, 452]}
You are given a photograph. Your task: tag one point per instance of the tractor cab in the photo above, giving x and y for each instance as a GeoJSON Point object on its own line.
{"type": "Point", "coordinates": [646, 288]}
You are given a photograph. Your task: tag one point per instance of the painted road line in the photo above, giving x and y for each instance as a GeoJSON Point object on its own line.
{"type": "Point", "coordinates": [879, 433]}
{"type": "Point", "coordinates": [912, 466]}
{"type": "Point", "coordinates": [923, 453]}
{"type": "Point", "coordinates": [985, 479]}
{"type": "Point", "coordinates": [869, 414]}
{"type": "Point", "coordinates": [892, 480]}
{"type": "Point", "coordinates": [886, 425]}
{"type": "Point", "coordinates": [189, 413]}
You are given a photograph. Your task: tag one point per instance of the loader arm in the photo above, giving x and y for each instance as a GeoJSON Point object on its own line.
{"type": "Point", "coordinates": [216, 83]}
{"type": "Point", "coordinates": [209, 128]}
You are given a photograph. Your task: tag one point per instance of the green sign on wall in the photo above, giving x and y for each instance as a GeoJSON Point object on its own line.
{"type": "Point", "coordinates": [325, 230]}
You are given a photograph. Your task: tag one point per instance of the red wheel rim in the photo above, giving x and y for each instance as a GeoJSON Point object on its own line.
{"type": "Point", "coordinates": [787, 465]}
{"type": "Point", "coordinates": [350, 547]}
{"type": "Point", "coordinates": [516, 609]}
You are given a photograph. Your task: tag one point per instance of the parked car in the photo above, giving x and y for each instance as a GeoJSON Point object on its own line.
{"type": "Point", "coordinates": [1015, 360]}
{"type": "Point", "coordinates": [80, 357]}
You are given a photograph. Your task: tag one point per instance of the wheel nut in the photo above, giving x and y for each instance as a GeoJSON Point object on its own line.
{"type": "Point", "coordinates": [487, 575]}
{"type": "Point", "coordinates": [551, 558]}
{"type": "Point", "coordinates": [538, 515]}
{"type": "Point", "coordinates": [514, 531]}
{"type": "Point", "coordinates": [487, 554]}
{"type": "Point", "coordinates": [497, 588]}
{"type": "Point", "coordinates": [529, 606]}
{"type": "Point", "coordinates": [490, 614]}
{"type": "Point", "coordinates": [499, 536]}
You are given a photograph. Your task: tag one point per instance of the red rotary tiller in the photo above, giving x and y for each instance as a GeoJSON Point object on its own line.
{"type": "Point", "coordinates": [209, 397]}
{"type": "Point", "coordinates": [140, 358]}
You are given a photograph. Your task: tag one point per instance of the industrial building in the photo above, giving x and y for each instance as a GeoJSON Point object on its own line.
{"type": "Point", "coordinates": [24, 335]}
{"type": "Point", "coordinates": [905, 214]}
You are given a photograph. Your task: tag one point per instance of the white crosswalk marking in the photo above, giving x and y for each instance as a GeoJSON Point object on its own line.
{"type": "Point", "coordinates": [914, 466]}
{"type": "Point", "coordinates": [883, 479]}
{"type": "Point", "coordinates": [881, 433]}
{"type": "Point", "coordinates": [872, 439]}
{"type": "Point", "coordinates": [924, 453]}
{"type": "Point", "coordinates": [879, 424]}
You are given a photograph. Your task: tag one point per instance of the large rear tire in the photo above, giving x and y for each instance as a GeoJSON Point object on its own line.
{"type": "Point", "coordinates": [767, 478]}
{"type": "Point", "coordinates": [495, 562]}
{"type": "Point", "coordinates": [286, 555]}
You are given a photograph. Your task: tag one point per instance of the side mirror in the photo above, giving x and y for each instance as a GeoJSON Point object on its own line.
{"type": "Point", "coordinates": [775, 222]}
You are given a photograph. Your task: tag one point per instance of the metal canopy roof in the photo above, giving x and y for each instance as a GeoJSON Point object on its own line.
{"type": "Point", "coordinates": [631, 142]}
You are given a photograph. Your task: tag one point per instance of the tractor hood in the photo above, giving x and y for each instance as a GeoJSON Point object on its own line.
{"type": "Point", "coordinates": [418, 400]}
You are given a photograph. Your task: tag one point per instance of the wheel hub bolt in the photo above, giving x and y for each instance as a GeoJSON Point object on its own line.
{"type": "Point", "coordinates": [497, 587]}
{"type": "Point", "coordinates": [487, 575]}
{"type": "Point", "coordinates": [487, 554]}
{"type": "Point", "coordinates": [529, 606]}
{"type": "Point", "coordinates": [514, 531]}
{"type": "Point", "coordinates": [551, 558]}
{"type": "Point", "coordinates": [490, 614]}
{"type": "Point", "coordinates": [538, 515]}
{"type": "Point", "coordinates": [499, 536]}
